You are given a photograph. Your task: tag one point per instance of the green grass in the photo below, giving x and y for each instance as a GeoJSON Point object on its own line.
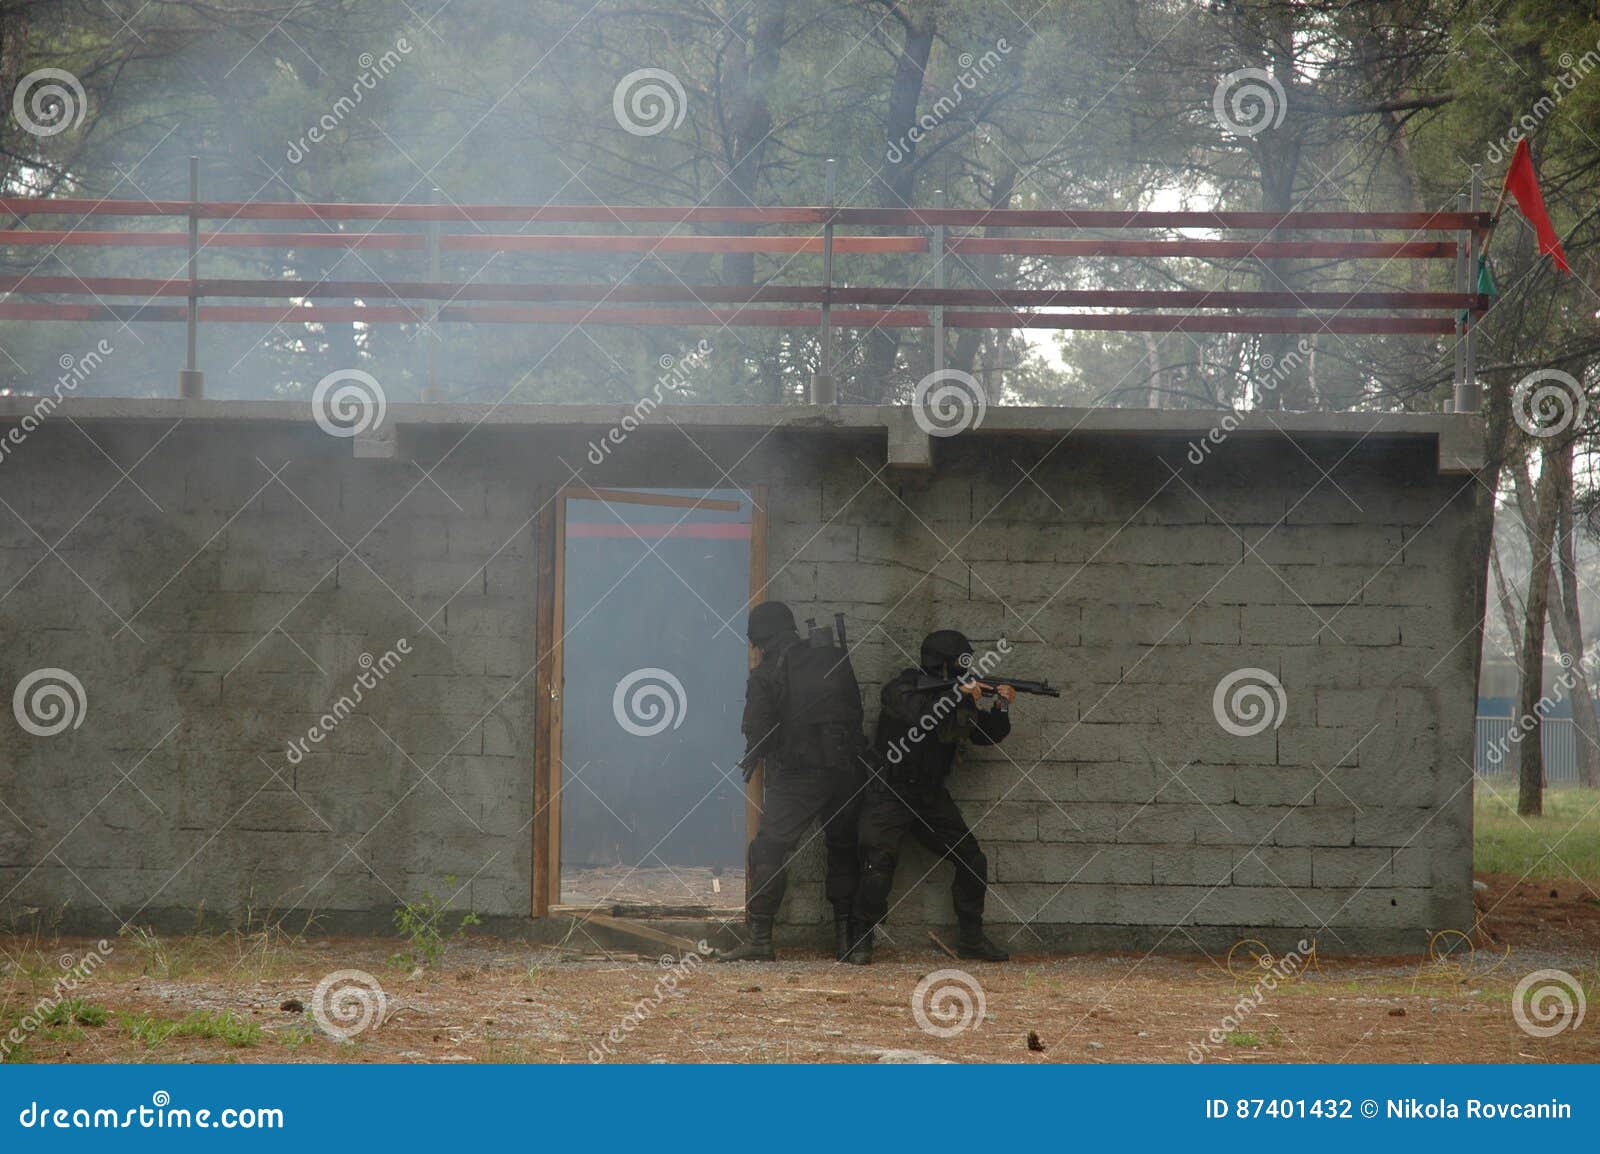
{"type": "Point", "coordinates": [225, 1026]}
{"type": "Point", "coordinates": [1505, 843]}
{"type": "Point", "coordinates": [295, 1036]}
{"type": "Point", "coordinates": [1243, 1038]}
{"type": "Point", "coordinates": [146, 1028]}
{"type": "Point", "coordinates": [75, 1010]}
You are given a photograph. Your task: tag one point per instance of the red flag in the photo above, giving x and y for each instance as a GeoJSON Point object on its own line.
{"type": "Point", "coordinates": [1522, 183]}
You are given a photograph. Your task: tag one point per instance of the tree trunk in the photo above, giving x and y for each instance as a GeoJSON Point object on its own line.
{"type": "Point", "coordinates": [1541, 531]}
{"type": "Point", "coordinates": [968, 341]}
{"type": "Point", "coordinates": [1568, 622]}
{"type": "Point", "coordinates": [921, 22]}
{"type": "Point", "coordinates": [749, 83]}
{"type": "Point", "coordinates": [1508, 608]}
{"type": "Point", "coordinates": [1277, 154]}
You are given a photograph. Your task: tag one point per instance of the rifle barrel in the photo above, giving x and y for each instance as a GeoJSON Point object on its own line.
{"type": "Point", "coordinates": [1020, 684]}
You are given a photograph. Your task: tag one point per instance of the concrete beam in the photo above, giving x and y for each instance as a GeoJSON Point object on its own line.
{"type": "Point", "coordinates": [1458, 436]}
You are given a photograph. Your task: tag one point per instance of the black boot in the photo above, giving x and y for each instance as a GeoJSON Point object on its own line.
{"type": "Point", "coordinates": [973, 944]}
{"type": "Point", "coordinates": [757, 949]}
{"type": "Point", "coordinates": [859, 936]}
{"type": "Point", "coordinates": [843, 939]}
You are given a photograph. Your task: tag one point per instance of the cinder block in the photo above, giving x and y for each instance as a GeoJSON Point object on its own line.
{"type": "Point", "coordinates": [1396, 825]}
{"type": "Point", "coordinates": [1272, 866]}
{"type": "Point", "coordinates": [1247, 824]}
{"type": "Point", "coordinates": [1032, 904]}
{"type": "Point", "coordinates": [1363, 625]}
{"type": "Point", "coordinates": [788, 541]}
{"type": "Point", "coordinates": [1192, 866]}
{"type": "Point", "coordinates": [471, 539]}
{"type": "Point", "coordinates": [1143, 625]}
{"type": "Point", "coordinates": [795, 501]}
{"type": "Point", "coordinates": [1311, 667]}
{"type": "Point", "coordinates": [1410, 585]}
{"type": "Point", "coordinates": [1044, 862]}
{"type": "Point", "coordinates": [1176, 545]}
{"type": "Point", "coordinates": [1322, 748]}
{"type": "Point", "coordinates": [1377, 786]}
{"type": "Point", "coordinates": [1315, 826]}
{"type": "Point", "coordinates": [1161, 824]}
{"type": "Point", "coordinates": [1123, 781]}
{"type": "Point", "coordinates": [1285, 625]}
{"type": "Point", "coordinates": [1209, 784]}
{"type": "Point", "coordinates": [1011, 821]}
{"type": "Point", "coordinates": [1415, 866]}
{"type": "Point", "coordinates": [1275, 785]}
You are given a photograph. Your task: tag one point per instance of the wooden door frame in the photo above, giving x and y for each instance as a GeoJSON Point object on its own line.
{"type": "Point", "coordinates": [550, 624]}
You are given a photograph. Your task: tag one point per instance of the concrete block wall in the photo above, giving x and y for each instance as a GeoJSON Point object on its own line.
{"type": "Point", "coordinates": [215, 607]}
{"type": "Point", "coordinates": [218, 601]}
{"type": "Point", "coordinates": [1124, 815]}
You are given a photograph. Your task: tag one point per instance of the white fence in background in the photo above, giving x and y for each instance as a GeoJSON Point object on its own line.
{"type": "Point", "coordinates": [1497, 754]}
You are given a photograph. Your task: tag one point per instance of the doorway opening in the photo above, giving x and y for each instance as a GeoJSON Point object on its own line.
{"type": "Point", "coordinates": [647, 809]}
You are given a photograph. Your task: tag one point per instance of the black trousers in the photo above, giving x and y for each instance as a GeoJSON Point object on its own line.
{"type": "Point", "coordinates": [932, 817]}
{"type": "Point", "coordinates": [832, 795]}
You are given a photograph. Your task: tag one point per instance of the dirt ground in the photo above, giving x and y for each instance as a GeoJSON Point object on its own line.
{"type": "Point", "coordinates": [622, 885]}
{"type": "Point", "coordinates": [488, 1000]}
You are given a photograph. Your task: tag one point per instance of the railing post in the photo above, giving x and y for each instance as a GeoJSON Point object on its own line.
{"type": "Point", "coordinates": [430, 391]}
{"type": "Point", "coordinates": [938, 283]}
{"type": "Point", "coordinates": [1467, 393]}
{"type": "Point", "coordinates": [824, 389]}
{"type": "Point", "coordinates": [1460, 374]}
{"type": "Point", "coordinates": [191, 381]}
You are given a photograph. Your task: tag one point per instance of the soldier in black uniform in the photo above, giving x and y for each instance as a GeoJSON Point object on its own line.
{"type": "Point", "coordinates": [914, 748]}
{"type": "Point", "coordinates": [802, 719]}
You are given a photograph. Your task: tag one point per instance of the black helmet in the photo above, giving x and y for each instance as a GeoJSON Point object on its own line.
{"type": "Point", "coordinates": [945, 647]}
{"type": "Point", "coordinates": [769, 621]}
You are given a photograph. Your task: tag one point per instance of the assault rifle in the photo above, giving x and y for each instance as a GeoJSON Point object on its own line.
{"type": "Point", "coordinates": [987, 684]}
